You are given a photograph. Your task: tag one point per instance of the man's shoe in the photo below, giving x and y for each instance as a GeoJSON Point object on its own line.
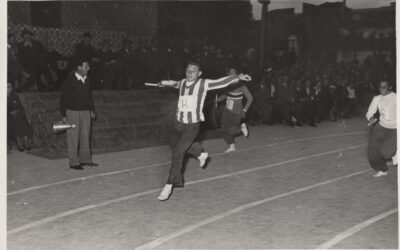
{"type": "Point", "coordinates": [380, 173]}
{"type": "Point", "coordinates": [90, 164]}
{"type": "Point", "coordinates": [203, 159]}
{"type": "Point", "coordinates": [244, 129]}
{"type": "Point", "coordinates": [165, 193]}
{"type": "Point", "coordinates": [76, 167]}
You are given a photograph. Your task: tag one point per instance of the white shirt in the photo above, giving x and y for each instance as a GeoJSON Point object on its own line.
{"type": "Point", "coordinates": [79, 77]}
{"type": "Point", "coordinates": [387, 110]}
{"type": "Point", "coordinates": [351, 93]}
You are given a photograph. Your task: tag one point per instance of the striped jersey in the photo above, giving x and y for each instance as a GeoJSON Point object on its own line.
{"type": "Point", "coordinates": [234, 102]}
{"type": "Point", "coordinates": [192, 96]}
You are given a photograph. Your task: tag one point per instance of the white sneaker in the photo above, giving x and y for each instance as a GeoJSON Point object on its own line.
{"type": "Point", "coordinates": [380, 173]}
{"type": "Point", "coordinates": [231, 148]}
{"type": "Point", "coordinates": [165, 193]}
{"type": "Point", "coordinates": [202, 159]}
{"type": "Point", "coordinates": [394, 159]}
{"type": "Point", "coordinates": [244, 129]}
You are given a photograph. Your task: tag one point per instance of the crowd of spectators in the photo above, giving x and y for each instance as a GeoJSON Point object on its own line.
{"type": "Point", "coordinates": [290, 89]}
{"type": "Point", "coordinates": [33, 68]}
{"type": "Point", "coordinates": [309, 92]}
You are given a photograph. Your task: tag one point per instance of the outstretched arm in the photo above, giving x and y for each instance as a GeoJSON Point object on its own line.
{"type": "Point", "coordinates": [226, 81]}
{"type": "Point", "coordinates": [169, 83]}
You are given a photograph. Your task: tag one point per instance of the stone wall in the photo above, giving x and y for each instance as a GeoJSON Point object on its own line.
{"type": "Point", "coordinates": [19, 12]}
{"type": "Point", "coordinates": [137, 19]}
{"type": "Point", "coordinates": [125, 119]}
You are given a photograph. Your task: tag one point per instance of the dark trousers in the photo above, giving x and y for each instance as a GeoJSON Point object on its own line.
{"type": "Point", "coordinates": [382, 146]}
{"type": "Point", "coordinates": [283, 112]}
{"type": "Point", "coordinates": [230, 125]}
{"type": "Point", "coordinates": [309, 112]}
{"type": "Point", "coordinates": [182, 141]}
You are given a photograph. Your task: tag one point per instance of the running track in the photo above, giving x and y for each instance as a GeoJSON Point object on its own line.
{"type": "Point", "coordinates": [284, 188]}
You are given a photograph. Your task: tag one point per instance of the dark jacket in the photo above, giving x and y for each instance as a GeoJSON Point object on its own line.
{"type": "Point", "coordinates": [76, 95]}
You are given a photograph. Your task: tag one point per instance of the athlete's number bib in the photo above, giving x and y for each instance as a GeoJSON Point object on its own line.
{"type": "Point", "coordinates": [229, 104]}
{"type": "Point", "coordinates": [186, 103]}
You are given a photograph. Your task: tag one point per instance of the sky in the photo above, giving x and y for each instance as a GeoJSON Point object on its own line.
{"type": "Point", "coordinates": [297, 4]}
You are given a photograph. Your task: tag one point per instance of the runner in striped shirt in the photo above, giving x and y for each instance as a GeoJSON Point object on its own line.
{"type": "Point", "coordinates": [192, 93]}
{"type": "Point", "coordinates": [234, 112]}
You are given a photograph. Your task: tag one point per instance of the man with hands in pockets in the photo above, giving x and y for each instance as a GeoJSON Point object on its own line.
{"type": "Point", "coordinates": [76, 107]}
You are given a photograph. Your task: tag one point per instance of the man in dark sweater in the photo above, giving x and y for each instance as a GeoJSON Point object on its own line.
{"type": "Point", "coordinates": [76, 107]}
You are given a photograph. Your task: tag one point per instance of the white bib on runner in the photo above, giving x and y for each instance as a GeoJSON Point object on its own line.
{"type": "Point", "coordinates": [229, 104]}
{"type": "Point", "coordinates": [186, 103]}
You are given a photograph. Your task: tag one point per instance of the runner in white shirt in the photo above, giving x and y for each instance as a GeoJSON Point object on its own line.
{"type": "Point", "coordinates": [382, 141]}
{"type": "Point", "coordinates": [192, 93]}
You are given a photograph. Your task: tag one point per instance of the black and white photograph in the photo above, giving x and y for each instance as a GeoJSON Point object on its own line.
{"type": "Point", "coordinates": [200, 124]}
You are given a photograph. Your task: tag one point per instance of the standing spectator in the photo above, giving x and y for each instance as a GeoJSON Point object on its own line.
{"type": "Point", "coordinates": [14, 68]}
{"type": "Point", "coordinates": [34, 60]}
{"type": "Point", "coordinates": [108, 64]}
{"type": "Point", "coordinates": [351, 100]}
{"type": "Point", "coordinates": [382, 141]}
{"type": "Point", "coordinates": [18, 124]}
{"type": "Point", "coordinates": [61, 66]}
{"type": "Point", "coordinates": [298, 104]}
{"type": "Point", "coordinates": [124, 60]}
{"type": "Point", "coordinates": [283, 101]}
{"type": "Point", "coordinates": [76, 107]}
{"type": "Point", "coordinates": [317, 102]}
{"type": "Point", "coordinates": [141, 65]}
{"type": "Point", "coordinates": [341, 99]}
{"type": "Point", "coordinates": [155, 58]}
{"type": "Point", "coordinates": [261, 109]}
{"type": "Point", "coordinates": [309, 104]}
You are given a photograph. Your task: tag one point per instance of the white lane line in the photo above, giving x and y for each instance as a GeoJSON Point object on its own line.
{"type": "Point", "coordinates": [168, 162]}
{"type": "Point", "coordinates": [355, 229]}
{"type": "Point", "coordinates": [102, 204]}
{"type": "Point", "coordinates": [84, 178]}
{"type": "Point", "coordinates": [155, 243]}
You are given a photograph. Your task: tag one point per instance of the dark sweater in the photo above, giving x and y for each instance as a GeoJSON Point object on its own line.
{"type": "Point", "coordinates": [75, 95]}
